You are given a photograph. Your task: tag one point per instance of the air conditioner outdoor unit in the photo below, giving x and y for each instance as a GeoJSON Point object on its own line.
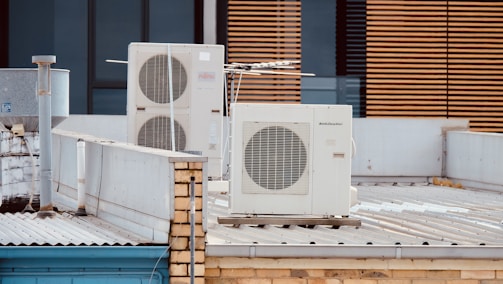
{"type": "Point", "coordinates": [290, 159]}
{"type": "Point", "coordinates": [197, 87]}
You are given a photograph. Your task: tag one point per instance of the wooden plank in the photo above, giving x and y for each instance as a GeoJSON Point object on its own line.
{"type": "Point", "coordinates": [406, 107]}
{"type": "Point", "coordinates": [275, 13]}
{"type": "Point", "coordinates": [266, 29]}
{"type": "Point", "coordinates": [256, 39]}
{"type": "Point", "coordinates": [406, 2]}
{"type": "Point", "coordinates": [235, 3]}
{"type": "Point", "coordinates": [402, 8]}
{"type": "Point", "coordinates": [390, 39]}
{"type": "Point", "coordinates": [384, 113]}
{"type": "Point", "coordinates": [262, 23]}
{"type": "Point", "coordinates": [406, 50]}
{"type": "Point", "coordinates": [407, 97]}
{"type": "Point", "coordinates": [407, 29]}
{"type": "Point", "coordinates": [410, 18]}
{"type": "Point", "coordinates": [275, 34]}
{"type": "Point", "coordinates": [407, 76]}
{"type": "Point", "coordinates": [263, 8]}
{"type": "Point", "coordinates": [390, 23]}
{"type": "Point", "coordinates": [409, 92]}
{"type": "Point", "coordinates": [411, 35]}
{"type": "Point", "coordinates": [406, 87]}
{"type": "Point", "coordinates": [303, 221]}
{"type": "Point", "coordinates": [254, 19]}
{"type": "Point", "coordinates": [405, 81]}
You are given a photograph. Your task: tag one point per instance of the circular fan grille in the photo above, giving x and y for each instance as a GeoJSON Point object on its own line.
{"type": "Point", "coordinates": [156, 133]}
{"type": "Point", "coordinates": [153, 78]}
{"type": "Point", "coordinates": [275, 157]}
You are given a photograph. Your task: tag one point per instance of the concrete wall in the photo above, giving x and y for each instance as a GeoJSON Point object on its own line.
{"type": "Point", "coordinates": [111, 127]}
{"type": "Point", "coordinates": [475, 159]}
{"type": "Point", "coordinates": [400, 147]}
{"type": "Point", "coordinates": [130, 186]}
{"type": "Point", "coordinates": [385, 147]}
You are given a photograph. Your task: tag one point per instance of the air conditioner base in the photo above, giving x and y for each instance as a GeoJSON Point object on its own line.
{"type": "Point", "coordinates": [286, 221]}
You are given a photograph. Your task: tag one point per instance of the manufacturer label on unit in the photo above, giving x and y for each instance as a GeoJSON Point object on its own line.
{"type": "Point", "coordinates": [206, 76]}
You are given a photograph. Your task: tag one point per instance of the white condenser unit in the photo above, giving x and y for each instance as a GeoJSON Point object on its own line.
{"type": "Point", "coordinates": [291, 159]}
{"type": "Point", "coordinates": [197, 92]}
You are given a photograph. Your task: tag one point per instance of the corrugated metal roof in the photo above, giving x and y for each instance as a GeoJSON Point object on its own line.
{"type": "Point", "coordinates": [63, 229]}
{"type": "Point", "coordinates": [391, 216]}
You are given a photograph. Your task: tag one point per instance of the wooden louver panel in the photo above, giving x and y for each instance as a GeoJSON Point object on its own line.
{"type": "Point", "coordinates": [476, 63]}
{"type": "Point", "coordinates": [264, 31]}
{"type": "Point", "coordinates": [437, 59]}
{"type": "Point", "coordinates": [406, 62]}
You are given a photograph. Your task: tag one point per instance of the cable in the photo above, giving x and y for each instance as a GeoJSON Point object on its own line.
{"type": "Point", "coordinates": [167, 248]}
{"type": "Point", "coordinates": [239, 84]}
{"type": "Point", "coordinates": [28, 207]}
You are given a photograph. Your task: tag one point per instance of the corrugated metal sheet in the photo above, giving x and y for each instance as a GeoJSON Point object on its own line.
{"type": "Point", "coordinates": [391, 215]}
{"type": "Point", "coordinates": [64, 229]}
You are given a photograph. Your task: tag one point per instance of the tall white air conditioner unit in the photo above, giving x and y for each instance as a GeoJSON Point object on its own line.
{"type": "Point", "coordinates": [197, 85]}
{"type": "Point", "coordinates": [291, 159]}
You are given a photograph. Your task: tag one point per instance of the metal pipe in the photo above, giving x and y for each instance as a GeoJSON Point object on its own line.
{"type": "Point", "coordinates": [81, 178]}
{"type": "Point", "coordinates": [354, 251]}
{"type": "Point", "coordinates": [192, 228]}
{"type": "Point", "coordinates": [171, 102]}
{"type": "Point", "coordinates": [44, 127]}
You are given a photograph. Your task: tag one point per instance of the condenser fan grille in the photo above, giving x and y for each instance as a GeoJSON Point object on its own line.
{"type": "Point", "coordinates": [156, 133]}
{"type": "Point", "coordinates": [275, 157]}
{"type": "Point", "coordinates": [153, 79]}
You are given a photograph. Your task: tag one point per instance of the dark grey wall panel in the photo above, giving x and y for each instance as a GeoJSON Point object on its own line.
{"type": "Point", "coordinates": [31, 30]}
{"type": "Point", "coordinates": [171, 21]}
{"type": "Point", "coordinates": [70, 44]}
{"type": "Point", "coordinates": [318, 37]}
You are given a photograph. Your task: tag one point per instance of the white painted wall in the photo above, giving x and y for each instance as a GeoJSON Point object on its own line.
{"type": "Point", "coordinates": [385, 147]}
{"type": "Point", "coordinates": [400, 147]}
{"type": "Point", "coordinates": [475, 159]}
{"type": "Point", "coordinates": [130, 186]}
{"type": "Point", "coordinates": [112, 127]}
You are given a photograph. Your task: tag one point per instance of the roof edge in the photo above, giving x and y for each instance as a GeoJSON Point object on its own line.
{"type": "Point", "coordinates": [80, 252]}
{"type": "Point", "coordinates": [347, 251]}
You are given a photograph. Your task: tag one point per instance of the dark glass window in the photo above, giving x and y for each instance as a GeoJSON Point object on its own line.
{"type": "Point", "coordinates": [118, 22]}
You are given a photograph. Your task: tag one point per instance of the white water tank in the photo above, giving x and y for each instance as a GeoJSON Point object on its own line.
{"type": "Point", "coordinates": [19, 99]}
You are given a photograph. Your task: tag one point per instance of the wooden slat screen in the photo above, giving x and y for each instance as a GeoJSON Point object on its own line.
{"type": "Point", "coordinates": [264, 31]}
{"type": "Point", "coordinates": [406, 58]}
{"type": "Point", "coordinates": [436, 59]}
{"type": "Point", "coordinates": [476, 63]}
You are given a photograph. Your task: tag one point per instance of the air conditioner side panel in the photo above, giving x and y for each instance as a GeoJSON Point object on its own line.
{"type": "Point", "coordinates": [206, 109]}
{"type": "Point", "coordinates": [332, 160]}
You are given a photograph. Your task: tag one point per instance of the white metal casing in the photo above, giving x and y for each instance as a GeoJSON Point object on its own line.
{"type": "Point", "coordinates": [197, 74]}
{"type": "Point", "coordinates": [266, 138]}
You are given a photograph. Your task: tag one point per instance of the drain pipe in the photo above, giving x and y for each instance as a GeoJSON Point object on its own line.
{"type": "Point", "coordinates": [44, 127]}
{"type": "Point", "coordinates": [81, 178]}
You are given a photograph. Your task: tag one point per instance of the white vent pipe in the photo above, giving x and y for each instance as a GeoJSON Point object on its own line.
{"type": "Point", "coordinates": [81, 178]}
{"type": "Point", "coordinates": [44, 127]}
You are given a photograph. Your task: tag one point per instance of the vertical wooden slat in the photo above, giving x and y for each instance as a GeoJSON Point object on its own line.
{"type": "Point", "coordinates": [264, 31]}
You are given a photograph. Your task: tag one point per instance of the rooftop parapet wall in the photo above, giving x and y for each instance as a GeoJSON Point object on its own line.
{"type": "Point", "coordinates": [475, 159]}
{"type": "Point", "coordinates": [401, 147]}
{"type": "Point", "coordinates": [130, 186]}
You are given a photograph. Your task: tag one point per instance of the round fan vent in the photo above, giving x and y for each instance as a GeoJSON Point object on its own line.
{"type": "Point", "coordinates": [153, 78]}
{"type": "Point", "coordinates": [156, 133]}
{"type": "Point", "coordinates": [275, 157]}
